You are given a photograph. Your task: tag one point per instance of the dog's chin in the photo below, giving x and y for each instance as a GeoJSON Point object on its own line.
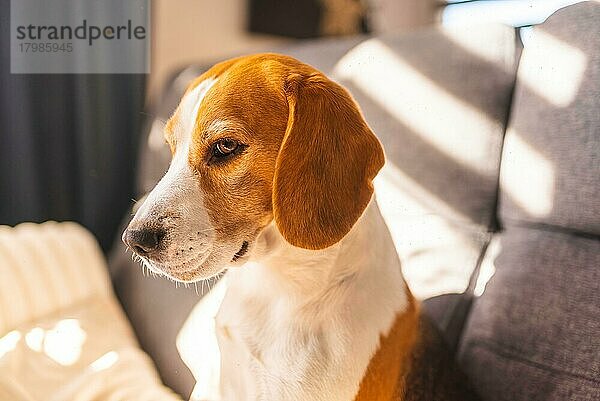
{"type": "Point", "coordinates": [187, 273]}
{"type": "Point", "coordinates": [193, 276]}
{"type": "Point", "coordinates": [200, 267]}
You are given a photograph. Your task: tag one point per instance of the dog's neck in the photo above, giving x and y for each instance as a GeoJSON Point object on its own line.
{"type": "Point", "coordinates": [327, 308]}
{"type": "Point", "coordinates": [307, 276]}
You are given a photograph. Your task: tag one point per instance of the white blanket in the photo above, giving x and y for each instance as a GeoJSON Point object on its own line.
{"type": "Point", "coordinates": [63, 336]}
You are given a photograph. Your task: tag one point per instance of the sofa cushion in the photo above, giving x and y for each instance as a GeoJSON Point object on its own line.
{"type": "Point", "coordinates": [438, 99]}
{"type": "Point", "coordinates": [550, 170]}
{"type": "Point", "coordinates": [534, 333]}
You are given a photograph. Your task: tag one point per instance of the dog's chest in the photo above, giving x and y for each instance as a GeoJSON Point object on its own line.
{"type": "Point", "coordinates": [267, 355]}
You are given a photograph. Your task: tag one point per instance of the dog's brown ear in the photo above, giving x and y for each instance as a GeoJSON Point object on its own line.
{"type": "Point", "coordinates": [326, 163]}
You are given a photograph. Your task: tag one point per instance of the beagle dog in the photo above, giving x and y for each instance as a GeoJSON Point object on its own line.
{"type": "Point", "coordinates": [271, 181]}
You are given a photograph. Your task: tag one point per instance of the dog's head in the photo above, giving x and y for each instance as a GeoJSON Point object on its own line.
{"type": "Point", "coordinates": [255, 139]}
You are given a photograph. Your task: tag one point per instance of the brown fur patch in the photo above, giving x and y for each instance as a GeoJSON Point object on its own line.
{"type": "Point", "coordinates": [327, 161]}
{"type": "Point", "coordinates": [414, 364]}
{"type": "Point", "coordinates": [384, 379]}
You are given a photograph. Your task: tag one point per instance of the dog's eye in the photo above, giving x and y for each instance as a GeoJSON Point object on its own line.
{"type": "Point", "coordinates": [224, 148]}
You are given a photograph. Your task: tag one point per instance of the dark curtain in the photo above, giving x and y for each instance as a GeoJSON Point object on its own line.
{"type": "Point", "coordinates": [68, 144]}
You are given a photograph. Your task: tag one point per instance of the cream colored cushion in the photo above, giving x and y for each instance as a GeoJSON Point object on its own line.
{"type": "Point", "coordinates": [63, 336]}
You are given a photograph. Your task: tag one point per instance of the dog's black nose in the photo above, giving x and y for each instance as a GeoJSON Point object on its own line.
{"type": "Point", "coordinates": [143, 241]}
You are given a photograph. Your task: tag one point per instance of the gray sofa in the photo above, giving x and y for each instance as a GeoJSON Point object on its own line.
{"type": "Point", "coordinates": [491, 192]}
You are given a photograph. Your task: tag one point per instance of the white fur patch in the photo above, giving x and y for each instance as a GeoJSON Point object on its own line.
{"type": "Point", "coordinates": [176, 203]}
{"type": "Point", "coordinates": [298, 324]}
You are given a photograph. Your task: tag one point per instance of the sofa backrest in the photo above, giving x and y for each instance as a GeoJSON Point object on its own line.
{"type": "Point", "coordinates": [551, 160]}
{"type": "Point", "coordinates": [534, 331]}
{"type": "Point", "coordinates": [438, 99]}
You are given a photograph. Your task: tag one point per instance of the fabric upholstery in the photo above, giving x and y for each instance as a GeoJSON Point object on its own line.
{"type": "Point", "coordinates": [63, 336]}
{"type": "Point", "coordinates": [551, 161]}
{"type": "Point", "coordinates": [323, 54]}
{"type": "Point", "coordinates": [534, 334]}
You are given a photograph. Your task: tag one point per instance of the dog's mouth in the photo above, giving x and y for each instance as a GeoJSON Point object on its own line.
{"type": "Point", "coordinates": [169, 268]}
{"type": "Point", "coordinates": [188, 270]}
{"type": "Point", "coordinates": [243, 250]}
